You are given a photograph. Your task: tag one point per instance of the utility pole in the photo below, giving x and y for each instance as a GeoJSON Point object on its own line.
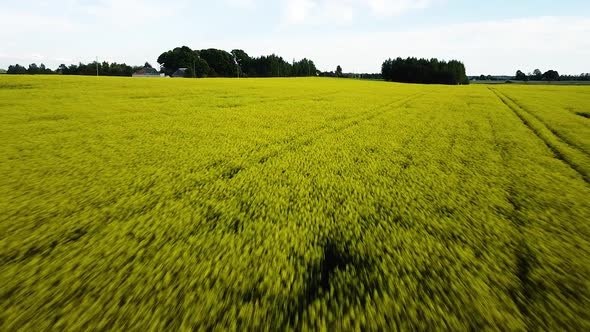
{"type": "Point", "coordinates": [237, 65]}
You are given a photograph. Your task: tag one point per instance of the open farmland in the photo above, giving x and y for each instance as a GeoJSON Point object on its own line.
{"type": "Point", "coordinates": [292, 204]}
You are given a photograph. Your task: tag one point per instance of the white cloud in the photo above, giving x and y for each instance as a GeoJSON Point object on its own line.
{"type": "Point", "coordinates": [31, 22]}
{"type": "Point", "coordinates": [242, 3]}
{"type": "Point", "coordinates": [339, 11]}
{"type": "Point", "coordinates": [27, 58]}
{"type": "Point", "coordinates": [128, 13]}
{"type": "Point", "coordinates": [488, 47]}
{"type": "Point", "coordinates": [298, 11]}
{"type": "Point", "coordinates": [317, 12]}
{"type": "Point", "coordinates": [397, 7]}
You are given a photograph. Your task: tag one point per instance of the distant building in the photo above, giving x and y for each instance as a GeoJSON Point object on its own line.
{"type": "Point", "coordinates": [181, 72]}
{"type": "Point", "coordinates": [148, 72]}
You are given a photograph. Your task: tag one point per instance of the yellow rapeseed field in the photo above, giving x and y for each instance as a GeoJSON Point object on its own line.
{"type": "Point", "coordinates": [292, 204]}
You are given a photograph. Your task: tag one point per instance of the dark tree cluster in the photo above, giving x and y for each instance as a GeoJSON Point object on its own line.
{"type": "Point", "coordinates": [104, 69]}
{"type": "Point", "coordinates": [581, 77]}
{"type": "Point", "coordinates": [33, 69]}
{"type": "Point", "coordinates": [184, 57]}
{"type": "Point", "coordinates": [339, 73]}
{"type": "Point", "coordinates": [367, 76]}
{"type": "Point", "coordinates": [550, 75]}
{"type": "Point", "coordinates": [433, 71]}
{"type": "Point", "coordinates": [219, 63]}
{"type": "Point", "coordinates": [490, 78]}
{"type": "Point", "coordinates": [520, 76]}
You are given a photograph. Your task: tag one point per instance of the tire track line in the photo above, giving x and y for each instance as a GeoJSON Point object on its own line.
{"type": "Point", "coordinates": [309, 137]}
{"type": "Point", "coordinates": [552, 141]}
{"type": "Point", "coordinates": [228, 172]}
{"type": "Point", "coordinates": [554, 132]}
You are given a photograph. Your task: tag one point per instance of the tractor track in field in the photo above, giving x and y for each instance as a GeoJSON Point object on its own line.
{"type": "Point", "coordinates": [294, 142]}
{"type": "Point", "coordinates": [523, 291]}
{"type": "Point", "coordinates": [226, 173]}
{"type": "Point", "coordinates": [554, 132]}
{"type": "Point", "coordinates": [546, 138]}
{"type": "Point", "coordinates": [289, 144]}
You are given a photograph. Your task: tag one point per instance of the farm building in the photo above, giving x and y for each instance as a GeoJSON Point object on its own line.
{"type": "Point", "coordinates": [181, 72]}
{"type": "Point", "coordinates": [148, 72]}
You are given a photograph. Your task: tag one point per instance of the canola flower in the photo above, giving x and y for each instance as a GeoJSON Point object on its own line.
{"type": "Point", "coordinates": [292, 204]}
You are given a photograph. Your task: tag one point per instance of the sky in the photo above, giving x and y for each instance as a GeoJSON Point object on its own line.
{"type": "Point", "coordinates": [490, 36]}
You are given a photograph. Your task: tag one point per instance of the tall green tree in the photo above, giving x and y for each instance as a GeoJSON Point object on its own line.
{"type": "Point", "coordinates": [551, 75]}
{"type": "Point", "coordinates": [179, 57]}
{"type": "Point", "coordinates": [16, 69]}
{"type": "Point", "coordinates": [520, 76]}
{"type": "Point", "coordinates": [221, 63]}
{"type": "Point", "coordinates": [33, 69]}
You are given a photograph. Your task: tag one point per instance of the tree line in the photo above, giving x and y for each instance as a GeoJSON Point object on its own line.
{"type": "Point", "coordinates": [33, 69]}
{"type": "Point", "coordinates": [198, 63]}
{"type": "Point", "coordinates": [339, 73]}
{"type": "Point", "coordinates": [550, 75]}
{"type": "Point", "coordinates": [237, 63]}
{"type": "Point", "coordinates": [364, 76]}
{"type": "Point", "coordinates": [433, 71]}
{"type": "Point", "coordinates": [104, 69]}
